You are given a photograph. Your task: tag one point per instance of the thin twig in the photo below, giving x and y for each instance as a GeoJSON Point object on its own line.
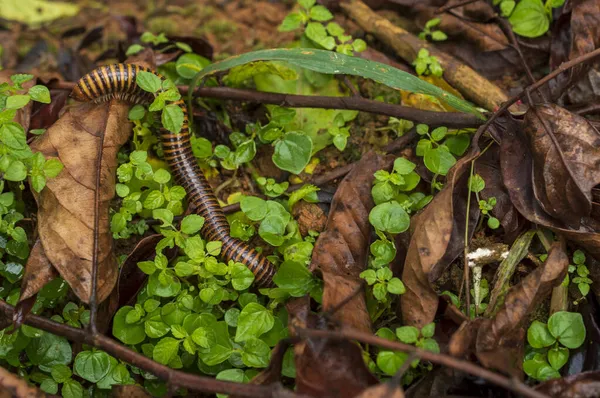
{"type": "Point", "coordinates": [449, 7]}
{"type": "Point", "coordinates": [181, 379]}
{"type": "Point", "coordinates": [441, 359]}
{"type": "Point", "coordinates": [448, 119]}
{"type": "Point", "coordinates": [94, 292]}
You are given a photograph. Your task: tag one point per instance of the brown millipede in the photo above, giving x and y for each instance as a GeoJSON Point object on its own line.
{"type": "Point", "coordinates": [119, 81]}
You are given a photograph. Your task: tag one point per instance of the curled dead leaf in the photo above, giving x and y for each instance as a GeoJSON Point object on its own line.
{"type": "Point", "coordinates": [66, 206]}
{"type": "Point", "coordinates": [341, 252]}
{"type": "Point", "coordinates": [566, 162]}
{"type": "Point", "coordinates": [325, 368]}
{"type": "Point", "coordinates": [437, 240]}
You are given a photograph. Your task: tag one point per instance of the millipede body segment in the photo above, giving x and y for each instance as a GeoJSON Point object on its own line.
{"type": "Point", "coordinates": [119, 81]}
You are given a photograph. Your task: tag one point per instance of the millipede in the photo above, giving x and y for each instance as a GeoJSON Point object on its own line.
{"type": "Point", "coordinates": [119, 81]}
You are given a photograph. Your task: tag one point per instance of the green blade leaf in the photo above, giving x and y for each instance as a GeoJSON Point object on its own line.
{"type": "Point", "coordinates": [334, 63]}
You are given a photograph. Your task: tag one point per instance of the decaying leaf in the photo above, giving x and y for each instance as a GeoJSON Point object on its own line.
{"type": "Point", "coordinates": [499, 341]}
{"type": "Point", "coordinates": [437, 240]}
{"type": "Point", "coordinates": [581, 385]}
{"type": "Point", "coordinates": [577, 32]}
{"type": "Point", "coordinates": [12, 385]}
{"type": "Point", "coordinates": [390, 389]}
{"type": "Point", "coordinates": [326, 368]}
{"type": "Point", "coordinates": [132, 391]}
{"type": "Point", "coordinates": [516, 164]}
{"type": "Point", "coordinates": [566, 162]}
{"type": "Point", "coordinates": [341, 252]}
{"type": "Point", "coordinates": [66, 206]}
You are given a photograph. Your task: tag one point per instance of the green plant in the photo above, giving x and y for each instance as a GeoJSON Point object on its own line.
{"type": "Point", "coordinates": [439, 148]}
{"type": "Point", "coordinates": [428, 32]}
{"type": "Point", "coordinates": [582, 273]}
{"type": "Point", "coordinates": [426, 64]}
{"type": "Point", "coordinates": [476, 185]}
{"type": "Point", "coordinates": [564, 331]}
{"type": "Point", "coordinates": [389, 362]}
{"type": "Point", "coordinates": [155, 40]}
{"type": "Point", "coordinates": [398, 126]}
{"type": "Point", "coordinates": [271, 188]}
{"type": "Point", "coordinates": [531, 18]}
{"type": "Point", "coordinates": [331, 36]}
{"type": "Point", "coordinates": [506, 7]}
{"type": "Point", "coordinates": [383, 282]}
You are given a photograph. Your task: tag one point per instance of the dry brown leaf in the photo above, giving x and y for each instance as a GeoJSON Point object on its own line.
{"type": "Point", "coordinates": [66, 206]}
{"type": "Point", "coordinates": [390, 389]}
{"type": "Point", "coordinates": [517, 169]}
{"type": "Point", "coordinates": [437, 240]}
{"type": "Point", "coordinates": [341, 252]}
{"type": "Point", "coordinates": [566, 162]}
{"type": "Point", "coordinates": [580, 385]}
{"type": "Point", "coordinates": [133, 391]}
{"type": "Point", "coordinates": [12, 386]}
{"type": "Point", "coordinates": [577, 32]}
{"type": "Point", "coordinates": [325, 368]}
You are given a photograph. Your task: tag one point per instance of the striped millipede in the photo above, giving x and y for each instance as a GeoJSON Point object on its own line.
{"type": "Point", "coordinates": [119, 81]}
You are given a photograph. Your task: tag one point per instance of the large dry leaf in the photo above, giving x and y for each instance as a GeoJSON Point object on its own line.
{"type": "Point", "coordinates": [499, 341]}
{"type": "Point", "coordinates": [566, 161]}
{"type": "Point", "coordinates": [516, 164]}
{"type": "Point", "coordinates": [341, 252]}
{"type": "Point", "coordinates": [577, 32]}
{"type": "Point", "coordinates": [12, 386]}
{"type": "Point", "coordinates": [437, 240]}
{"type": "Point", "coordinates": [66, 206]}
{"type": "Point", "coordinates": [581, 385]}
{"type": "Point", "coordinates": [326, 368]}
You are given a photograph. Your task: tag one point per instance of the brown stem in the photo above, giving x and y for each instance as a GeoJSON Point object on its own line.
{"type": "Point", "coordinates": [357, 103]}
{"type": "Point", "coordinates": [178, 378]}
{"type": "Point", "coordinates": [442, 359]}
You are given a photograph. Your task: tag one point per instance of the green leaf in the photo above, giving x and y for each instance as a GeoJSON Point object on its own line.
{"type": "Point", "coordinates": [154, 200]}
{"type": "Point", "coordinates": [428, 330]}
{"type": "Point", "coordinates": [221, 350]}
{"type": "Point", "coordinates": [92, 365]}
{"type": "Point", "coordinates": [476, 183]}
{"type": "Point", "coordinates": [164, 215]}
{"type": "Point", "coordinates": [438, 35]}
{"type": "Point", "coordinates": [538, 335]}
{"type": "Point", "coordinates": [170, 287]}
{"type": "Point", "coordinates": [403, 166]}
{"type": "Point", "coordinates": [61, 373]}
{"type": "Point", "coordinates": [165, 350]}
{"type": "Point", "coordinates": [307, 3]}
{"type": "Point", "coordinates": [17, 101]}
{"type": "Point", "coordinates": [292, 153]}
{"type": "Point", "coordinates": [20, 78]}
{"type": "Point", "coordinates": [49, 386]}
{"type": "Point", "coordinates": [320, 13]}
{"type": "Point", "coordinates": [389, 217]}
{"type": "Point", "coordinates": [579, 257]}
{"type": "Point", "coordinates": [390, 362]}
{"type": "Point", "coordinates": [568, 328]}
{"type": "Point", "coordinates": [148, 81]}
{"type": "Point", "coordinates": [439, 161]}
{"type": "Point", "coordinates": [294, 278]}
{"type": "Point", "coordinates": [192, 224]}
{"type": "Point", "coordinates": [204, 337]}
{"type": "Point", "coordinates": [439, 133]}
{"type": "Point", "coordinates": [52, 167]}
{"type": "Point", "coordinates": [49, 350]}
{"type": "Point", "coordinates": [127, 333]}
{"type": "Point", "coordinates": [507, 7]}
{"type": "Point", "coordinates": [189, 64]}
{"type": "Point", "coordinates": [172, 118]}
{"type": "Point", "coordinates": [40, 93]}
{"type": "Point", "coordinates": [253, 321]}
{"type": "Point", "coordinates": [292, 21]}
{"type": "Point", "coordinates": [13, 135]}
{"type": "Point", "coordinates": [72, 389]}
{"type": "Point", "coordinates": [558, 357]}
{"type": "Point", "coordinates": [256, 353]}
{"type": "Point", "coordinates": [458, 144]}
{"type": "Point", "coordinates": [134, 49]}
{"type": "Point", "coordinates": [359, 45]}
{"type": "Point", "coordinates": [254, 208]}
{"type": "Point", "coordinates": [408, 334]}
{"type": "Point", "coordinates": [241, 276]}
{"type": "Point", "coordinates": [395, 286]}
{"type": "Point", "coordinates": [529, 18]}
{"type": "Point", "coordinates": [334, 63]}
